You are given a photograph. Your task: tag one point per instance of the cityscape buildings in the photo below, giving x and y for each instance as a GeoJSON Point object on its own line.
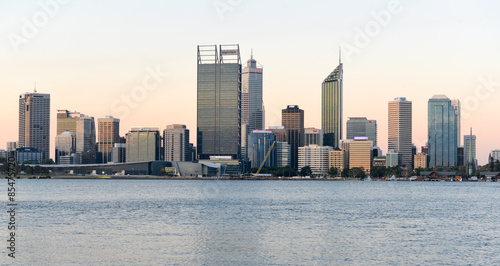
{"type": "Point", "coordinates": [442, 132]}
{"type": "Point", "coordinates": [362, 127]}
{"type": "Point", "coordinates": [470, 152]}
{"type": "Point", "coordinates": [218, 101]}
{"type": "Point", "coordinates": [34, 122]}
{"type": "Point", "coordinates": [316, 157]}
{"type": "Point", "coordinates": [283, 153]}
{"type": "Point", "coordinates": [313, 136]}
{"type": "Point", "coordinates": [420, 160]}
{"type": "Point", "coordinates": [65, 145]}
{"type": "Point", "coordinates": [495, 155]}
{"type": "Point", "coordinates": [143, 144]}
{"type": "Point", "coordinates": [176, 143]}
{"type": "Point", "coordinates": [400, 131]}
{"type": "Point", "coordinates": [259, 144]}
{"type": "Point", "coordinates": [108, 135]}
{"type": "Point", "coordinates": [292, 118]}
{"type": "Point", "coordinates": [331, 107]}
{"type": "Point", "coordinates": [360, 153]}
{"type": "Point", "coordinates": [338, 159]}
{"type": "Point", "coordinates": [455, 103]}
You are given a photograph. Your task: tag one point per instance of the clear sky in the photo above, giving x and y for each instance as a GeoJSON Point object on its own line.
{"type": "Point", "coordinates": [92, 55]}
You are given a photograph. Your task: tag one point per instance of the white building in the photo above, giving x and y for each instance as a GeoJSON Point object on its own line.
{"type": "Point", "coordinates": [316, 157]}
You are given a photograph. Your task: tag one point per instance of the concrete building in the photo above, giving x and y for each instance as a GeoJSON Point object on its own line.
{"type": "Point", "coordinates": [118, 153]}
{"type": "Point", "coordinates": [442, 132]}
{"type": "Point", "coordinates": [12, 145]}
{"type": "Point", "coordinates": [420, 161]}
{"type": "Point", "coordinates": [379, 161]}
{"type": "Point", "coordinates": [338, 159]}
{"type": "Point", "coordinates": [259, 144]}
{"type": "Point", "coordinates": [470, 159]}
{"type": "Point", "coordinates": [279, 132]}
{"type": "Point", "coordinates": [400, 132]}
{"type": "Point", "coordinates": [316, 157]}
{"type": "Point", "coordinates": [218, 101]}
{"type": "Point", "coordinates": [29, 155]}
{"type": "Point", "coordinates": [292, 118]}
{"type": "Point", "coordinates": [83, 127]}
{"type": "Point", "coordinates": [360, 153]}
{"type": "Point", "coordinates": [143, 144]}
{"type": "Point", "coordinates": [392, 158]}
{"type": "Point", "coordinates": [4, 154]}
{"type": "Point", "coordinates": [176, 143]}
{"type": "Point", "coordinates": [460, 156]}
{"type": "Point", "coordinates": [313, 136]}
{"type": "Point", "coordinates": [65, 145]}
{"type": "Point", "coordinates": [362, 127]}
{"type": "Point", "coordinates": [108, 129]}
{"type": "Point", "coordinates": [332, 106]}
{"type": "Point", "coordinates": [34, 122]}
{"type": "Point", "coordinates": [283, 154]}
{"type": "Point", "coordinates": [495, 154]}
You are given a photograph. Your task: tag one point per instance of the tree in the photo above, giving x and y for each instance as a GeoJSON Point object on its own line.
{"type": "Point", "coordinates": [37, 169]}
{"type": "Point", "coordinates": [345, 172]}
{"type": "Point", "coordinates": [357, 172]}
{"type": "Point", "coordinates": [418, 170]}
{"type": "Point", "coordinates": [378, 171]}
{"type": "Point", "coordinates": [47, 161]}
{"type": "Point", "coordinates": [333, 171]}
{"type": "Point", "coordinates": [305, 171]}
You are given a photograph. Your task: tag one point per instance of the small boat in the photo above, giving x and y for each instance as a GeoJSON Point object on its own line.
{"type": "Point", "coordinates": [392, 178]}
{"type": "Point", "coordinates": [368, 178]}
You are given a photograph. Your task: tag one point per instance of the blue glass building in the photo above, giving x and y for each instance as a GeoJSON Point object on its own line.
{"type": "Point", "coordinates": [442, 132]}
{"type": "Point", "coordinates": [259, 143]}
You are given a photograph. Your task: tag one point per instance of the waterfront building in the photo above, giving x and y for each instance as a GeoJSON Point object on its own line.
{"type": "Point", "coordinates": [400, 131]}
{"type": "Point", "coordinates": [332, 106]}
{"type": "Point", "coordinates": [34, 122]}
{"type": "Point", "coordinates": [292, 118]}
{"type": "Point", "coordinates": [313, 136]}
{"type": "Point", "coordinates": [338, 159]}
{"type": "Point", "coordinates": [316, 157]}
{"type": "Point", "coordinates": [29, 155]}
{"type": "Point", "coordinates": [259, 144]}
{"type": "Point", "coordinates": [420, 160]}
{"type": "Point", "coordinates": [143, 144]}
{"type": "Point", "coordinates": [442, 132]}
{"type": "Point", "coordinates": [361, 127]}
{"type": "Point", "coordinates": [4, 154]}
{"type": "Point", "coordinates": [283, 153]}
{"type": "Point", "coordinates": [379, 161]}
{"type": "Point", "coordinates": [109, 134]}
{"type": "Point", "coordinates": [176, 143]}
{"type": "Point", "coordinates": [83, 127]}
{"type": "Point", "coordinates": [219, 101]}
{"type": "Point", "coordinates": [392, 158]}
{"type": "Point", "coordinates": [360, 153]}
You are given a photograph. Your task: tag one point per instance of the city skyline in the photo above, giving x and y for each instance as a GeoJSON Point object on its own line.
{"type": "Point", "coordinates": [392, 64]}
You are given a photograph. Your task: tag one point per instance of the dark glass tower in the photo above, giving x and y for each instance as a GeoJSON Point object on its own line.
{"type": "Point", "coordinates": [219, 101]}
{"type": "Point", "coordinates": [442, 133]}
{"type": "Point", "coordinates": [331, 107]}
{"type": "Point", "coordinates": [293, 121]}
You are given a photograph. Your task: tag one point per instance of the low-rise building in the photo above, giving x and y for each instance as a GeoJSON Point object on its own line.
{"type": "Point", "coordinates": [316, 157]}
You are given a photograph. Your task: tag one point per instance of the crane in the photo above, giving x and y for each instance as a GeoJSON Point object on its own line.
{"type": "Point", "coordinates": [265, 159]}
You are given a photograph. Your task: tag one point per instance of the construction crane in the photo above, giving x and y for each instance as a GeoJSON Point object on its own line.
{"type": "Point", "coordinates": [264, 161]}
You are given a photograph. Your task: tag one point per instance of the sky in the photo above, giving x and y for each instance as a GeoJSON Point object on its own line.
{"type": "Point", "coordinates": [136, 60]}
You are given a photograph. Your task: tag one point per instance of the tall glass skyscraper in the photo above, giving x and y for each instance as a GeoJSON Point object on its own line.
{"type": "Point", "coordinates": [331, 107]}
{"type": "Point", "coordinates": [362, 127]}
{"type": "Point", "coordinates": [457, 107]}
{"type": "Point", "coordinates": [259, 143]}
{"type": "Point", "coordinates": [34, 122]}
{"type": "Point", "coordinates": [292, 118]}
{"type": "Point", "coordinates": [252, 114]}
{"type": "Point", "coordinates": [219, 101]}
{"type": "Point", "coordinates": [400, 132]}
{"type": "Point", "coordinates": [442, 132]}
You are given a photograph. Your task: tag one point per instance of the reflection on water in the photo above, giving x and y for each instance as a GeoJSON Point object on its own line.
{"type": "Point", "coordinates": [256, 222]}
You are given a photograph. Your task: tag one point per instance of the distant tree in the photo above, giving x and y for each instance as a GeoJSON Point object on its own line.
{"type": "Point", "coordinates": [333, 171]}
{"type": "Point", "coordinates": [161, 170]}
{"type": "Point", "coordinates": [48, 161]}
{"type": "Point", "coordinates": [5, 167]}
{"type": "Point", "coordinates": [418, 170]}
{"type": "Point", "coordinates": [37, 169]}
{"type": "Point", "coordinates": [305, 171]}
{"type": "Point", "coordinates": [497, 166]}
{"type": "Point", "coordinates": [345, 173]}
{"type": "Point", "coordinates": [357, 172]}
{"type": "Point", "coordinates": [28, 170]}
{"type": "Point", "coordinates": [378, 171]}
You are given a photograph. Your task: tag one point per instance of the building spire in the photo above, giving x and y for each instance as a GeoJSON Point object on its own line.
{"type": "Point", "coordinates": [251, 54]}
{"type": "Point", "coordinates": [340, 55]}
{"type": "Point", "coordinates": [35, 87]}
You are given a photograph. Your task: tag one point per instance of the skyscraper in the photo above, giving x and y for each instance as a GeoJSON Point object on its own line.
{"type": "Point", "coordinates": [400, 131]}
{"type": "Point", "coordinates": [361, 127]}
{"type": "Point", "coordinates": [65, 145]}
{"type": "Point", "coordinates": [83, 127]}
{"type": "Point", "coordinates": [292, 118]}
{"type": "Point", "coordinates": [259, 143]}
{"type": "Point", "coordinates": [360, 153]}
{"type": "Point", "coordinates": [457, 108]}
{"type": "Point", "coordinates": [313, 136]}
{"type": "Point", "coordinates": [219, 101]}
{"type": "Point", "coordinates": [109, 134]}
{"type": "Point", "coordinates": [34, 122]}
{"type": "Point", "coordinates": [470, 153]}
{"type": "Point", "coordinates": [442, 132]}
{"type": "Point", "coordinates": [176, 143]}
{"type": "Point", "coordinates": [331, 107]}
{"type": "Point", "coordinates": [143, 144]}
{"type": "Point", "coordinates": [252, 113]}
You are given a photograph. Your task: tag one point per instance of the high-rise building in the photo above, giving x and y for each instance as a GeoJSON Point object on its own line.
{"type": "Point", "coordinates": [66, 120]}
{"type": "Point", "coordinates": [65, 145]}
{"type": "Point", "coordinates": [316, 157]}
{"type": "Point", "coordinates": [400, 131]}
{"type": "Point", "coordinates": [85, 139]}
{"type": "Point", "coordinates": [219, 101]}
{"type": "Point", "coordinates": [12, 145]}
{"type": "Point", "coordinates": [392, 158]}
{"type": "Point", "coordinates": [420, 160]}
{"type": "Point", "coordinates": [362, 127]}
{"type": "Point", "coordinates": [109, 134]}
{"type": "Point", "coordinates": [455, 103]}
{"type": "Point", "coordinates": [460, 156]}
{"type": "Point", "coordinates": [118, 153]}
{"type": "Point", "coordinates": [442, 132]}
{"type": "Point", "coordinates": [470, 152]}
{"type": "Point", "coordinates": [176, 143]}
{"type": "Point", "coordinates": [259, 144]}
{"type": "Point", "coordinates": [282, 154]}
{"type": "Point", "coordinates": [495, 155]}
{"type": "Point", "coordinates": [313, 136]}
{"type": "Point", "coordinates": [360, 153]}
{"type": "Point", "coordinates": [143, 144]}
{"type": "Point", "coordinates": [279, 132]}
{"type": "Point", "coordinates": [34, 122]}
{"type": "Point", "coordinates": [252, 111]}
{"type": "Point", "coordinates": [331, 107]}
{"type": "Point", "coordinates": [338, 159]}
{"type": "Point", "coordinates": [292, 118]}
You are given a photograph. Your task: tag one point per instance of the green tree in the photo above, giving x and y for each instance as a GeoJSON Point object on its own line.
{"type": "Point", "coordinates": [333, 171]}
{"type": "Point", "coordinates": [378, 171]}
{"type": "Point", "coordinates": [305, 171]}
{"type": "Point", "coordinates": [345, 173]}
{"type": "Point", "coordinates": [37, 169]}
{"type": "Point", "coordinates": [47, 161]}
{"type": "Point", "coordinates": [357, 172]}
{"type": "Point", "coordinates": [28, 169]}
{"type": "Point", "coordinates": [418, 170]}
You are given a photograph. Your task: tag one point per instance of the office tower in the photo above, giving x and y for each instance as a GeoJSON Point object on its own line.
{"type": "Point", "coordinates": [65, 145]}
{"type": "Point", "coordinates": [176, 143]}
{"type": "Point", "coordinates": [495, 155]}
{"type": "Point", "coordinates": [331, 107]}
{"type": "Point", "coordinates": [400, 132]}
{"type": "Point", "coordinates": [460, 156]}
{"type": "Point", "coordinates": [338, 159]}
{"type": "Point", "coordinates": [143, 144]}
{"type": "Point", "coordinates": [292, 118]}
{"type": "Point", "coordinates": [219, 101]}
{"type": "Point", "coordinates": [109, 134]}
{"type": "Point", "coordinates": [442, 132]}
{"type": "Point", "coordinates": [252, 111]}
{"type": "Point", "coordinates": [455, 103]}
{"type": "Point", "coordinates": [420, 161]}
{"type": "Point", "coordinates": [392, 158]}
{"type": "Point", "coordinates": [282, 154]}
{"type": "Point", "coordinates": [279, 132]}
{"type": "Point", "coordinates": [12, 145]}
{"type": "Point", "coordinates": [259, 144]}
{"type": "Point", "coordinates": [313, 136]}
{"type": "Point", "coordinates": [34, 122]}
{"type": "Point", "coordinates": [316, 157]}
{"type": "Point", "coordinates": [362, 127]}
{"type": "Point", "coordinates": [470, 153]}
{"type": "Point", "coordinates": [118, 153]}
{"type": "Point", "coordinates": [66, 120]}
{"type": "Point", "coordinates": [425, 149]}
{"type": "Point", "coordinates": [85, 140]}
{"type": "Point", "coordinates": [360, 153]}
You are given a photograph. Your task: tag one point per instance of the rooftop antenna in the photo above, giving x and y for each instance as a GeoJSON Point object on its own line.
{"type": "Point", "coordinates": [340, 55]}
{"type": "Point", "coordinates": [251, 54]}
{"type": "Point", "coordinates": [35, 87]}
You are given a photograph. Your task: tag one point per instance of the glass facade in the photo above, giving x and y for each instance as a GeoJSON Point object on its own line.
{"type": "Point", "coordinates": [293, 121]}
{"type": "Point", "coordinates": [219, 101]}
{"type": "Point", "coordinates": [109, 134]}
{"type": "Point", "coordinates": [259, 143]}
{"type": "Point", "coordinates": [442, 132]}
{"type": "Point", "coordinates": [143, 145]}
{"type": "Point", "coordinates": [331, 107]}
{"type": "Point", "coordinates": [34, 122]}
{"type": "Point", "coordinates": [361, 127]}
